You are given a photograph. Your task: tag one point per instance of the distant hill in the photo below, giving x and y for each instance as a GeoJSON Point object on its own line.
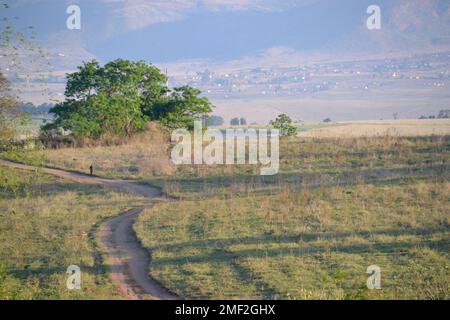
{"type": "Point", "coordinates": [227, 30]}
{"type": "Point", "coordinates": [408, 26]}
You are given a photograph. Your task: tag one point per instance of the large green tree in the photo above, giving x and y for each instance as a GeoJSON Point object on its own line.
{"type": "Point", "coordinates": [120, 97]}
{"type": "Point", "coordinates": [109, 100]}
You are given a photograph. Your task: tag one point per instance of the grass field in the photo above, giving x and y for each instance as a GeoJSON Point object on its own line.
{"type": "Point", "coordinates": [313, 244]}
{"type": "Point", "coordinates": [306, 163]}
{"type": "Point", "coordinates": [398, 128]}
{"type": "Point", "coordinates": [145, 155]}
{"type": "Point", "coordinates": [343, 201]}
{"type": "Point", "coordinates": [338, 206]}
{"type": "Point", "coordinates": [47, 225]}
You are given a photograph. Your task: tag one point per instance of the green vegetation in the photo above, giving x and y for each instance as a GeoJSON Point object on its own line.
{"type": "Point", "coordinates": [238, 122]}
{"type": "Point", "coordinates": [312, 162]}
{"type": "Point", "coordinates": [348, 196]}
{"type": "Point", "coordinates": [285, 124]}
{"type": "Point", "coordinates": [337, 207]}
{"type": "Point", "coordinates": [309, 244]}
{"type": "Point", "coordinates": [47, 225]}
{"type": "Point", "coordinates": [40, 111]}
{"type": "Point", "coordinates": [120, 98]}
{"type": "Point", "coordinates": [215, 121]}
{"type": "Point", "coordinates": [181, 108]}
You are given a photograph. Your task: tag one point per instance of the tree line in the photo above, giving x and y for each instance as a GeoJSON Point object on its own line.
{"type": "Point", "coordinates": [33, 110]}
{"type": "Point", "coordinates": [116, 100]}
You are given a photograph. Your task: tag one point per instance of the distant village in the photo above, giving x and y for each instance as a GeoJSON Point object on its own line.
{"type": "Point", "coordinates": [429, 71]}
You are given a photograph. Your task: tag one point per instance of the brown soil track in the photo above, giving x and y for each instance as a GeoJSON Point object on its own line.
{"type": "Point", "coordinates": [124, 254]}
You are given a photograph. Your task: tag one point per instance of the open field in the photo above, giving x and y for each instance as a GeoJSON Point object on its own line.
{"type": "Point", "coordinates": [146, 156]}
{"type": "Point", "coordinates": [47, 225]}
{"type": "Point", "coordinates": [312, 244]}
{"type": "Point", "coordinates": [338, 205]}
{"type": "Point", "coordinates": [306, 163]}
{"type": "Point", "coordinates": [399, 128]}
{"type": "Point", "coordinates": [243, 150]}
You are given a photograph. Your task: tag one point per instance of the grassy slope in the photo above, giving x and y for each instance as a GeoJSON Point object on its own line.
{"type": "Point", "coordinates": [47, 225]}
{"type": "Point", "coordinates": [144, 155]}
{"type": "Point", "coordinates": [380, 167]}
{"type": "Point", "coordinates": [312, 244]}
{"type": "Point", "coordinates": [338, 206]}
{"type": "Point", "coordinates": [310, 162]}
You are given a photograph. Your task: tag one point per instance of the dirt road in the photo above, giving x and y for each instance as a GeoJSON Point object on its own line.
{"type": "Point", "coordinates": [127, 259]}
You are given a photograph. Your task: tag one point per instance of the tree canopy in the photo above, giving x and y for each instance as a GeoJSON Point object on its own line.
{"type": "Point", "coordinates": [121, 97]}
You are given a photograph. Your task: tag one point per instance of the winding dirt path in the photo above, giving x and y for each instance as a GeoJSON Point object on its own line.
{"type": "Point", "coordinates": [127, 259]}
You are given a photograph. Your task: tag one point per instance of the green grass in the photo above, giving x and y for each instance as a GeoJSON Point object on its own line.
{"type": "Point", "coordinates": [311, 244]}
{"type": "Point", "coordinates": [338, 206]}
{"type": "Point", "coordinates": [310, 162]}
{"type": "Point", "coordinates": [47, 225]}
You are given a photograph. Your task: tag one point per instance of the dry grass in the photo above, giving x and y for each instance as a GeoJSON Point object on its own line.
{"type": "Point", "coordinates": [400, 128]}
{"type": "Point", "coordinates": [145, 154]}
{"type": "Point", "coordinates": [307, 162]}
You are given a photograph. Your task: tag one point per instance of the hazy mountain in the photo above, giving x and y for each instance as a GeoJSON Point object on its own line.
{"type": "Point", "coordinates": [164, 31]}
{"type": "Point", "coordinates": [407, 27]}
{"type": "Point", "coordinates": [235, 36]}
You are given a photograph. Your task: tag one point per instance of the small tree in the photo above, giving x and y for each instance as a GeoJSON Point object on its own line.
{"type": "Point", "coordinates": [215, 121]}
{"type": "Point", "coordinates": [242, 122]}
{"type": "Point", "coordinates": [327, 120]}
{"type": "Point", "coordinates": [444, 114]}
{"type": "Point", "coordinates": [285, 124]}
{"type": "Point", "coordinates": [235, 122]}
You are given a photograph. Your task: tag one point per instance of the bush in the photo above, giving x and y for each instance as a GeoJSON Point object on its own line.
{"type": "Point", "coordinates": [284, 124]}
